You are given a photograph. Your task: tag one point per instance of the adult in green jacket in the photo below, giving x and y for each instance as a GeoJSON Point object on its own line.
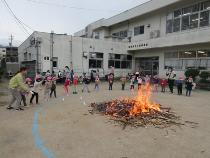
{"type": "Point", "coordinates": [16, 86]}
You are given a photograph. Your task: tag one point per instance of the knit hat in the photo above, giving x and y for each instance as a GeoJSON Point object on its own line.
{"type": "Point", "coordinates": [28, 79]}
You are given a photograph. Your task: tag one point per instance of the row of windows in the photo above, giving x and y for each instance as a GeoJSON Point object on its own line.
{"type": "Point", "coordinates": [113, 56]}
{"type": "Point", "coordinates": [188, 59]}
{"type": "Point", "coordinates": [139, 30]}
{"type": "Point", "coordinates": [120, 64]}
{"type": "Point", "coordinates": [192, 9]}
{"type": "Point", "coordinates": [191, 17]}
{"type": "Point", "coordinates": [120, 61]}
{"type": "Point", "coordinates": [12, 59]}
{"type": "Point", "coordinates": [116, 60]}
{"type": "Point", "coordinates": [189, 10]}
{"type": "Point", "coordinates": [182, 64]}
{"type": "Point", "coordinates": [122, 34]}
{"type": "Point", "coordinates": [188, 54]}
{"type": "Point", "coordinates": [93, 63]}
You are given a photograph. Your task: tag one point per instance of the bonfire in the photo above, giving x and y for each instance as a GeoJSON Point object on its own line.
{"type": "Point", "coordinates": [137, 111]}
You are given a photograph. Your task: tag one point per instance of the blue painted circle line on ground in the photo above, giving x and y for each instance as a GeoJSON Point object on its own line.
{"type": "Point", "coordinates": [37, 138]}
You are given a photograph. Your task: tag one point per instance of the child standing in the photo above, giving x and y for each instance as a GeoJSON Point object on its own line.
{"type": "Point", "coordinates": [66, 85]}
{"type": "Point", "coordinates": [23, 94]}
{"type": "Point", "coordinates": [75, 82]}
{"type": "Point", "coordinates": [132, 80]}
{"type": "Point", "coordinates": [139, 79]}
{"type": "Point", "coordinates": [35, 90]}
{"type": "Point", "coordinates": [47, 88]}
{"type": "Point", "coordinates": [147, 79]}
{"type": "Point", "coordinates": [97, 80]}
{"type": "Point", "coordinates": [85, 81]}
{"type": "Point", "coordinates": [123, 81]}
{"type": "Point", "coordinates": [155, 82]}
{"type": "Point", "coordinates": [163, 83]}
{"type": "Point", "coordinates": [110, 80]}
{"type": "Point", "coordinates": [53, 88]}
{"type": "Point", "coordinates": [189, 85]}
{"type": "Point", "coordinates": [179, 84]}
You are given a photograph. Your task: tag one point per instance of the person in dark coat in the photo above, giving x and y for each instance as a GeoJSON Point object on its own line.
{"type": "Point", "coordinates": [189, 85]}
{"type": "Point", "coordinates": [171, 78]}
{"type": "Point", "coordinates": [110, 80]}
{"type": "Point", "coordinates": [85, 81]}
{"type": "Point", "coordinates": [179, 84]}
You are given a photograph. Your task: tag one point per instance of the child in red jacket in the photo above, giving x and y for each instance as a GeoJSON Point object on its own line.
{"type": "Point", "coordinates": [66, 85]}
{"type": "Point", "coordinates": [163, 83]}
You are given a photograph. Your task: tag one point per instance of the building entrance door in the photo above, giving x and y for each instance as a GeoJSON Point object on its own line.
{"type": "Point", "coordinates": [148, 65]}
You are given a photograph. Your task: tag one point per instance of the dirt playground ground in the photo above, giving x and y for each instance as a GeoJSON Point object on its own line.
{"type": "Point", "coordinates": [63, 128]}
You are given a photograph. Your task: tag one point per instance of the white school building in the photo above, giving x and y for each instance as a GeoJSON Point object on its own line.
{"type": "Point", "coordinates": [148, 38]}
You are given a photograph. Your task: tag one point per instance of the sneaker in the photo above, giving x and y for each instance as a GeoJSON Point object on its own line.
{"type": "Point", "coordinates": [19, 109]}
{"type": "Point", "coordinates": [10, 108]}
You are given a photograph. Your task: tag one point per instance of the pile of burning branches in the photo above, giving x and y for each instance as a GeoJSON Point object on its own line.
{"type": "Point", "coordinates": [138, 111]}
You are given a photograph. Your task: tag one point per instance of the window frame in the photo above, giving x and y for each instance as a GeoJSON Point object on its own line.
{"type": "Point", "coordinates": [123, 61]}
{"type": "Point", "coordinates": [186, 61]}
{"type": "Point", "coordinates": [187, 13]}
{"type": "Point", "coordinates": [139, 30]}
{"type": "Point", "coordinates": [97, 60]}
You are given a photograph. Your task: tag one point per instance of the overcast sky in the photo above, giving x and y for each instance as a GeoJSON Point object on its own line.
{"type": "Point", "coordinates": [61, 16]}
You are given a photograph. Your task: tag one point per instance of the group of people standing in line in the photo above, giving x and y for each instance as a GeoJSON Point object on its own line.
{"type": "Point", "coordinates": [169, 80]}
{"type": "Point", "coordinates": [189, 83]}
{"type": "Point", "coordinates": [20, 86]}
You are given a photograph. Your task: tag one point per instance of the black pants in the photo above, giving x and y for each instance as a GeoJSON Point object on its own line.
{"type": "Point", "coordinates": [110, 86]}
{"type": "Point", "coordinates": [179, 88]}
{"type": "Point", "coordinates": [123, 87]}
{"type": "Point", "coordinates": [188, 92]}
{"type": "Point", "coordinates": [60, 80]}
{"type": "Point", "coordinates": [63, 79]}
{"type": "Point", "coordinates": [32, 97]}
{"type": "Point", "coordinates": [53, 90]}
{"type": "Point", "coordinates": [23, 98]}
{"type": "Point", "coordinates": [171, 85]}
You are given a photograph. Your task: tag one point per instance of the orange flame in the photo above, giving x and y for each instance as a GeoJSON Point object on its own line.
{"type": "Point", "coordinates": [142, 101]}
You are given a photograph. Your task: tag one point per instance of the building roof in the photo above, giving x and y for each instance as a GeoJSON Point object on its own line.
{"type": "Point", "coordinates": [7, 47]}
{"type": "Point", "coordinates": [132, 13]}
